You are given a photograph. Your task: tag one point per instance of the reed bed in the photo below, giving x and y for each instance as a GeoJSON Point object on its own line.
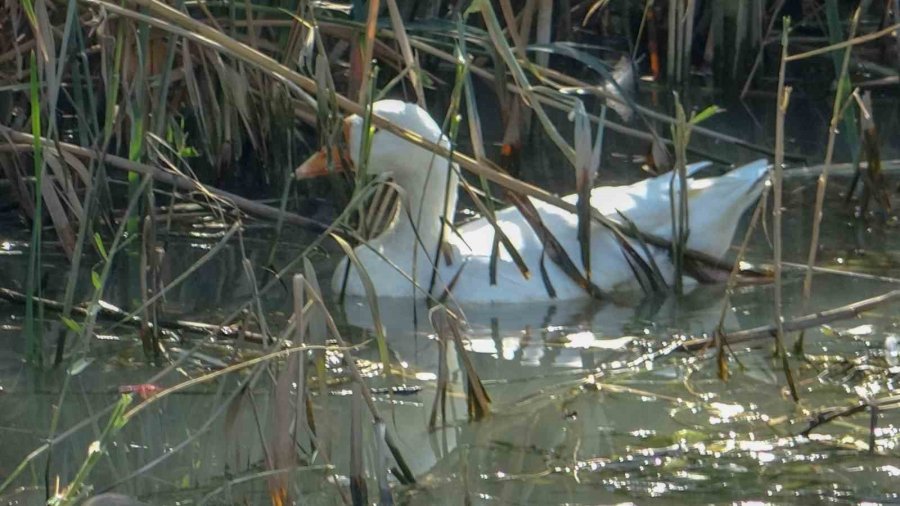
{"type": "Point", "coordinates": [117, 117]}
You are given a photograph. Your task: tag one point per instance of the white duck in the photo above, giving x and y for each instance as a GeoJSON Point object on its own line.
{"type": "Point", "coordinates": [400, 260]}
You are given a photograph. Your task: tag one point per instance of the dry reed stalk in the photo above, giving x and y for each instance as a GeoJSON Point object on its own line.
{"type": "Point", "coordinates": [170, 19]}
{"type": "Point", "coordinates": [182, 182]}
{"type": "Point", "coordinates": [283, 441]}
{"type": "Point", "coordinates": [358, 80]}
{"type": "Point", "coordinates": [825, 416]}
{"type": "Point", "coordinates": [784, 94]}
{"type": "Point", "coordinates": [572, 81]}
{"type": "Point", "coordinates": [529, 93]}
{"type": "Point", "coordinates": [301, 396]}
{"type": "Point", "coordinates": [807, 321]}
{"type": "Point", "coordinates": [147, 281]}
{"type": "Point", "coordinates": [409, 58]}
{"type": "Point", "coordinates": [512, 27]}
{"type": "Point", "coordinates": [447, 325]}
{"type": "Point", "coordinates": [822, 183]}
{"type": "Point", "coordinates": [875, 186]}
{"type": "Point", "coordinates": [442, 385]}
{"type": "Point", "coordinates": [849, 43]}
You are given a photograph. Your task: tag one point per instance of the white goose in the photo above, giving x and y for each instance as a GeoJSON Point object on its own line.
{"type": "Point", "coordinates": [400, 260]}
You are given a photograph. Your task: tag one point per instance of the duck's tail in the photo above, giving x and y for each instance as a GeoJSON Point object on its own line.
{"type": "Point", "coordinates": [715, 217]}
{"type": "Point", "coordinates": [752, 172]}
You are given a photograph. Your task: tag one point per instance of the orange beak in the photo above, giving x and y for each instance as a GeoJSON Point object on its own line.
{"type": "Point", "coordinates": [317, 164]}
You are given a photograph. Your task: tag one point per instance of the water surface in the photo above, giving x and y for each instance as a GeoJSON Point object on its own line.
{"type": "Point", "coordinates": [587, 405]}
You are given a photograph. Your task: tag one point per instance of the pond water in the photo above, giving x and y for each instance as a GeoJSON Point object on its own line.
{"type": "Point", "coordinates": [580, 413]}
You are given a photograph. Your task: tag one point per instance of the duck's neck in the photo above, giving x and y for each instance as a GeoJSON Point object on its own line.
{"type": "Point", "coordinates": [431, 203]}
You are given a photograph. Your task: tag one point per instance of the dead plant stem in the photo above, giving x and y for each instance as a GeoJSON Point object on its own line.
{"type": "Point", "coordinates": [800, 323]}
{"type": "Point", "coordinates": [784, 94]}
{"type": "Point", "coordinates": [822, 182]}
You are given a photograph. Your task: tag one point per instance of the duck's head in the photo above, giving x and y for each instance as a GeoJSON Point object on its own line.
{"type": "Point", "coordinates": [388, 154]}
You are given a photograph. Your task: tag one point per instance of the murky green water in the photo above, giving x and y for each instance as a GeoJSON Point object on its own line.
{"type": "Point", "coordinates": [581, 415]}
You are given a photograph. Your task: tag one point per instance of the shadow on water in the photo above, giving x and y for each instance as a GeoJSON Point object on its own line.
{"type": "Point", "coordinates": [579, 415]}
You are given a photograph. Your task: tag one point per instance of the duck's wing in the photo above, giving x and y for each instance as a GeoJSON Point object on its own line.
{"type": "Point", "coordinates": [476, 237]}
{"type": "Point", "coordinates": [714, 207]}
{"type": "Point", "coordinates": [695, 168]}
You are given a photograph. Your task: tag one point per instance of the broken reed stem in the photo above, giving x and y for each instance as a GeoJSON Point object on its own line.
{"type": "Point", "coordinates": [841, 272]}
{"type": "Point", "coordinates": [849, 43]}
{"type": "Point", "coordinates": [828, 415]}
{"type": "Point", "coordinates": [783, 97]}
{"type": "Point", "coordinates": [822, 182]}
{"type": "Point", "coordinates": [803, 322]}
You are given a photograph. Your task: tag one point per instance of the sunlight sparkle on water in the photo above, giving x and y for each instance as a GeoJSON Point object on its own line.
{"type": "Point", "coordinates": [860, 330]}
{"type": "Point", "coordinates": [6, 248]}
{"type": "Point", "coordinates": [765, 457]}
{"type": "Point", "coordinates": [588, 339]}
{"type": "Point", "coordinates": [485, 346]}
{"type": "Point", "coordinates": [892, 471]}
{"type": "Point", "coordinates": [580, 339]}
{"type": "Point", "coordinates": [724, 411]}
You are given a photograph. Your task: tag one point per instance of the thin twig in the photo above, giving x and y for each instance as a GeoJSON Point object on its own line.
{"type": "Point", "coordinates": [852, 41]}
{"type": "Point", "coordinates": [784, 95]}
